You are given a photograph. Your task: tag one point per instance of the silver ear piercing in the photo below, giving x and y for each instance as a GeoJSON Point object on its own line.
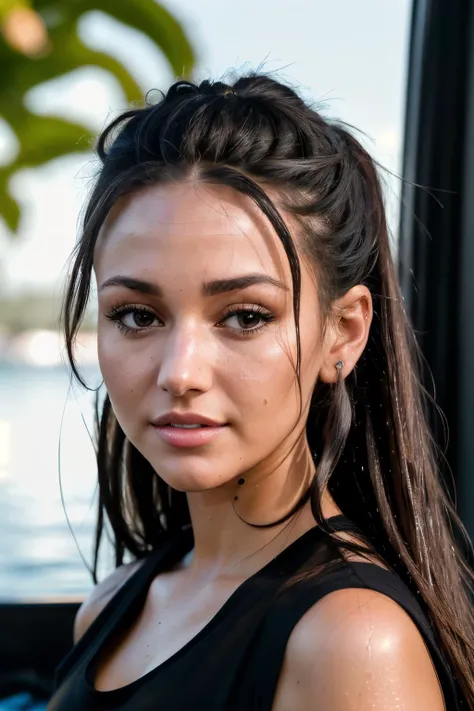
{"type": "Point", "coordinates": [340, 365]}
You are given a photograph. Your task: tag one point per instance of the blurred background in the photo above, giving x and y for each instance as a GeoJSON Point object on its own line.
{"type": "Point", "coordinates": [66, 70]}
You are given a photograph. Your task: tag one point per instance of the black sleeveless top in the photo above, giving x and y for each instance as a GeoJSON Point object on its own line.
{"type": "Point", "coordinates": [233, 663]}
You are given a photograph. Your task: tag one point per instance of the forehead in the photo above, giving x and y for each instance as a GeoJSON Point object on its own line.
{"type": "Point", "coordinates": [181, 229]}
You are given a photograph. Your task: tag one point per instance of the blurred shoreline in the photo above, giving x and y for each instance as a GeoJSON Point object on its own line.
{"type": "Point", "coordinates": [48, 468]}
{"type": "Point", "coordinates": [45, 348]}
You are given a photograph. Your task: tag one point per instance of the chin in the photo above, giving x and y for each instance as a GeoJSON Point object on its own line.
{"type": "Point", "coordinates": [191, 474]}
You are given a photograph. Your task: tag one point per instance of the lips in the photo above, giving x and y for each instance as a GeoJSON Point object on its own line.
{"type": "Point", "coordinates": [189, 427]}
{"type": "Point", "coordinates": [187, 430]}
{"type": "Point", "coordinates": [185, 419]}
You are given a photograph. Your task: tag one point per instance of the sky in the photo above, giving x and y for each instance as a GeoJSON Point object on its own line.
{"type": "Point", "coordinates": [351, 55]}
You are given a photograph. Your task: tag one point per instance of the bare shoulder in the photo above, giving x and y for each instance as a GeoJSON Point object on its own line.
{"type": "Point", "coordinates": [100, 596]}
{"type": "Point", "coordinates": [357, 648]}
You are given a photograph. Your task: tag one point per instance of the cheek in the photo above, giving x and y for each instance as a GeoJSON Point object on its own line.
{"type": "Point", "coordinates": [313, 343]}
{"type": "Point", "coordinates": [264, 387]}
{"type": "Point", "coordinates": [110, 355]}
{"type": "Point", "coordinates": [279, 401]}
{"type": "Point", "coordinates": [123, 372]}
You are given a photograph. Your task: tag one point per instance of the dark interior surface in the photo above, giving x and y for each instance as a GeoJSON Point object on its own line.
{"type": "Point", "coordinates": [34, 637]}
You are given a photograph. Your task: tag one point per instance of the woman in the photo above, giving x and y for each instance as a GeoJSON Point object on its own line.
{"type": "Point", "coordinates": [263, 453]}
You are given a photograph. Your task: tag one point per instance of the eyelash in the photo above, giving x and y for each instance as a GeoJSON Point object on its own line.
{"type": "Point", "coordinates": [116, 313]}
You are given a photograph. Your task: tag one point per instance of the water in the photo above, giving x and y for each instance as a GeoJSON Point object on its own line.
{"type": "Point", "coordinates": [39, 557]}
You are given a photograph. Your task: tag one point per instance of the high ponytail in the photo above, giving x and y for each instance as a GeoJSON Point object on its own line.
{"type": "Point", "coordinates": [369, 432]}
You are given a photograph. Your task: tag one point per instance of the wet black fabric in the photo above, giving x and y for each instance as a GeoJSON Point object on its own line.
{"type": "Point", "coordinates": [233, 664]}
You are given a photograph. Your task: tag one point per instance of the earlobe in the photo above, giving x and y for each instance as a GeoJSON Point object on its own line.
{"type": "Point", "coordinates": [350, 334]}
{"type": "Point", "coordinates": [331, 372]}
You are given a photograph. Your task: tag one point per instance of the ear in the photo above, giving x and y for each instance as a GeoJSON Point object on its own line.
{"type": "Point", "coordinates": [347, 333]}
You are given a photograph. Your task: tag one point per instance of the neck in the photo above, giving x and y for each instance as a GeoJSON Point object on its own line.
{"type": "Point", "coordinates": [222, 534]}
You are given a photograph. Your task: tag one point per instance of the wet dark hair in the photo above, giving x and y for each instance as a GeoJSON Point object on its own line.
{"type": "Point", "coordinates": [369, 432]}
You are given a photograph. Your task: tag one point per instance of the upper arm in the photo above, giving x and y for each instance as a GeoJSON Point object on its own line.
{"type": "Point", "coordinates": [358, 650]}
{"type": "Point", "coordinates": [100, 596]}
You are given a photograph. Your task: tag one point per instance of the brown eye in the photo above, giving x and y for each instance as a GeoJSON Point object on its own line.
{"type": "Point", "coordinates": [142, 319]}
{"type": "Point", "coordinates": [131, 319]}
{"type": "Point", "coordinates": [250, 320]}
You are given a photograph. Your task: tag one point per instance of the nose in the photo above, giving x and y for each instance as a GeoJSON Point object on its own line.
{"type": "Point", "coordinates": [185, 363]}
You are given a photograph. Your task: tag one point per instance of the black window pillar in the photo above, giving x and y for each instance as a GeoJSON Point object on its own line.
{"type": "Point", "coordinates": [436, 250]}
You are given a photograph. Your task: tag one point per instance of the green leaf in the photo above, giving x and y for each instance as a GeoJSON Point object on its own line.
{"type": "Point", "coordinates": [10, 211]}
{"type": "Point", "coordinates": [10, 208]}
{"type": "Point", "coordinates": [6, 6]}
{"type": "Point", "coordinates": [43, 138]}
{"type": "Point", "coordinates": [90, 57]}
{"type": "Point", "coordinates": [155, 21]}
{"type": "Point", "coordinates": [147, 16]}
{"type": "Point", "coordinates": [68, 54]}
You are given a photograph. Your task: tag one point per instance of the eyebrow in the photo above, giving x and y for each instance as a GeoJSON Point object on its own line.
{"type": "Point", "coordinates": [211, 288]}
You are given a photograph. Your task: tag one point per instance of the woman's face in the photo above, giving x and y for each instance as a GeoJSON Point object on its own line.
{"type": "Point", "coordinates": [196, 328]}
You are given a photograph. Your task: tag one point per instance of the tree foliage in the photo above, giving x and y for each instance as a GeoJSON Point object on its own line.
{"type": "Point", "coordinates": [39, 41]}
